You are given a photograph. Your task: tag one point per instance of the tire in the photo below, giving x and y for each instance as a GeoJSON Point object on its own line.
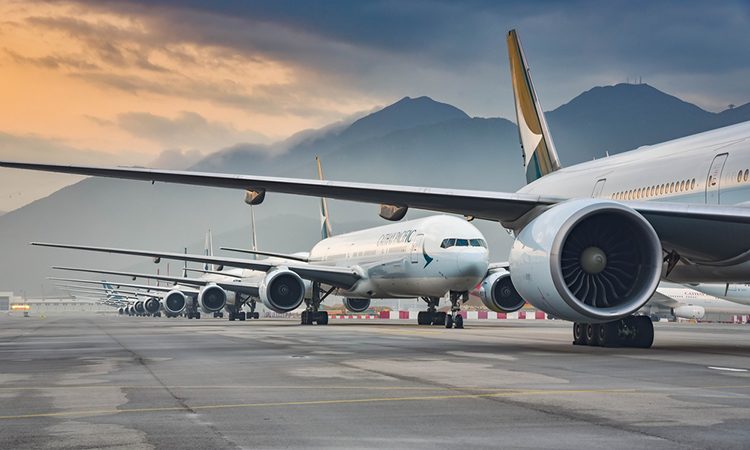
{"type": "Point", "coordinates": [448, 321]}
{"type": "Point", "coordinates": [231, 317]}
{"type": "Point", "coordinates": [644, 334]}
{"type": "Point", "coordinates": [458, 321]}
{"type": "Point", "coordinates": [608, 336]}
{"type": "Point", "coordinates": [439, 318]}
{"type": "Point", "coordinates": [423, 318]}
{"type": "Point", "coordinates": [197, 315]}
{"type": "Point", "coordinates": [592, 334]}
{"type": "Point", "coordinates": [322, 318]}
{"type": "Point", "coordinates": [579, 334]}
{"type": "Point", "coordinates": [256, 315]}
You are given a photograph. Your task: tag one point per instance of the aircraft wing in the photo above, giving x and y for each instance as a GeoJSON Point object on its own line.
{"type": "Point", "coordinates": [234, 286]}
{"type": "Point", "coordinates": [724, 230]}
{"type": "Point", "coordinates": [342, 277]}
{"type": "Point", "coordinates": [261, 253]}
{"type": "Point", "coordinates": [501, 206]}
{"type": "Point", "coordinates": [131, 285]}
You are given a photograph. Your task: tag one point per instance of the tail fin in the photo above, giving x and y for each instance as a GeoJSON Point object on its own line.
{"type": "Point", "coordinates": [208, 249]}
{"type": "Point", "coordinates": [325, 222]}
{"type": "Point", "coordinates": [184, 266]}
{"type": "Point", "coordinates": [254, 240]}
{"type": "Point", "coordinates": [539, 154]}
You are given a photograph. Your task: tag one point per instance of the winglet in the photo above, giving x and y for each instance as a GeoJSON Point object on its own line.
{"type": "Point", "coordinates": [539, 154]}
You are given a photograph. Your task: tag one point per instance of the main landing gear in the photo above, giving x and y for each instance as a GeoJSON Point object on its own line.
{"type": "Point", "coordinates": [633, 331]}
{"type": "Point", "coordinates": [432, 316]}
{"type": "Point", "coordinates": [236, 312]}
{"type": "Point", "coordinates": [312, 313]}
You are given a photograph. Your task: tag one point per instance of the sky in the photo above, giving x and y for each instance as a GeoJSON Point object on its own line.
{"type": "Point", "coordinates": [164, 82]}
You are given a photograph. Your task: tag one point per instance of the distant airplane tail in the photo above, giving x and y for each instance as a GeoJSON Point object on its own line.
{"type": "Point", "coordinates": [325, 222]}
{"type": "Point", "coordinates": [539, 154]}
{"type": "Point", "coordinates": [208, 249]}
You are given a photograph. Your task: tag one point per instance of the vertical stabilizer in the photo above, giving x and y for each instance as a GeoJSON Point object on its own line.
{"type": "Point", "coordinates": [325, 222]}
{"type": "Point", "coordinates": [254, 237]}
{"type": "Point", "coordinates": [539, 154]}
{"type": "Point", "coordinates": [208, 249]}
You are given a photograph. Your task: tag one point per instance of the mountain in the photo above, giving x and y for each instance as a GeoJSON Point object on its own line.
{"type": "Point", "coordinates": [415, 141]}
{"type": "Point", "coordinates": [2, 212]}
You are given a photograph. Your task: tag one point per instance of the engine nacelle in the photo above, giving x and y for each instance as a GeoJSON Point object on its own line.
{"type": "Point", "coordinates": [174, 302]}
{"type": "Point", "coordinates": [121, 310]}
{"type": "Point", "coordinates": [587, 260]}
{"type": "Point", "coordinates": [138, 307]}
{"type": "Point", "coordinates": [282, 291]}
{"type": "Point", "coordinates": [357, 305]}
{"type": "Point", "coordinates": [689, 312]}
{"type": "Point", "coordinates": [151, 305]}
{"type": "Point", "coordinates": [498, 294]}
{"type": "Point", "coordinates": [212, 298]}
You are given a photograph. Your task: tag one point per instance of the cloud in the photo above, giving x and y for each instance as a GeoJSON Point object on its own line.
{"type": "Point", "coordinates": [177, 159]}
{"type": "Point", "coordinates": [187, 130]}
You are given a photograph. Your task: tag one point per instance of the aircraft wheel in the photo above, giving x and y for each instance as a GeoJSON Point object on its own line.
{"type": "Point", "coordinates": [424, 318]}
{"type": "Point", "coordinates": [448, 321]}
{"type": "Point", "coordinates": [644, 332]}
{"type": "Point", "coordinates": [322, 318]}
{"type": "Point", "coordinates": [592, 334]}
{"type": "Point", "coordinates": [458, 321]}
{"type": "Point", "coordinates": [607, 334]}
{"type": "Point", "coordinates": [439, 318]}
{"type": "Point", "coordinates": [579, 334]}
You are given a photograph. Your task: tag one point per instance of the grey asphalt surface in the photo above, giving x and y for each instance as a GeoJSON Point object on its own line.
{"type": "Point", "coordinates": [105, 381]}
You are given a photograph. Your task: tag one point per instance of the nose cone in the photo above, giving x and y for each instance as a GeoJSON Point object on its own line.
{"type": "Point", "coordinates": [473, 263]}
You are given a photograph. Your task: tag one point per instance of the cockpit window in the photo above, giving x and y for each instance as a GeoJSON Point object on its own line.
{"type": "Point", "coordinates": [448, 243]}
{"type": "Point", "coordinates": [462, 242]}
{"type": "Point", "coordinates": [478, 243]}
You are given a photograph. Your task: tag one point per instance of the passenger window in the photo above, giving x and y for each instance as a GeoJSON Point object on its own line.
{"type": "Point", "coordinates": [739, 176]}
{"type": "Point", "coordinates": [692, 184]}
{"type": "Point", "coordinates": [682, 185]}
{"type": "Point", "coordinates": [671, 188]}
{"type": "Point", "coordinates": [448, 243]}
{"type": "Point", "coordinates": [747, 172]}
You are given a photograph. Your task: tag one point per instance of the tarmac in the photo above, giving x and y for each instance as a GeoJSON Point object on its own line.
{"type": "Point", "coordinates": [91, 381]}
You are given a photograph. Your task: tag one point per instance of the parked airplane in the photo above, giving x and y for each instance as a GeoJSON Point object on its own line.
{"type": "Point", "coordinates": [686, 303]}
{"type": "Point", "coordinates": [734, 292]}
{"type": "Point", "coordinates": [590, 244]}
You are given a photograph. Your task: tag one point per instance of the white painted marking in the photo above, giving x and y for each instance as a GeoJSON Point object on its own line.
{"type": "Point", "coordinates": [727, 369]}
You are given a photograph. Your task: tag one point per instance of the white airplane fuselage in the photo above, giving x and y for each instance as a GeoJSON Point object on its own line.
{"type": "Point", "coordinates": [415, 258]}
{"type": "Point", "coordinates": [709, 303]}
{"type": "Point", "coordinates": [707, 168]}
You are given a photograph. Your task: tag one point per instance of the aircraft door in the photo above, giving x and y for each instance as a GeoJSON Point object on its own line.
{"type": "Point", "coordinates": [598, 188]}
{"type": "Point", "coordinates": [416, 248]}
{"type": "Point", "coordinates": [713, 182]}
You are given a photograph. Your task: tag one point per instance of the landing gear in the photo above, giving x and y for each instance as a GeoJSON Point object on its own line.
{"type": "Point", "coordinates": [218, 315]}
{"type": "Point", "coordinates": [236, 316]}
{"type": "Point", "coordinates": [633, 331]}
{"type": "Point", "coordinates": [455, 319]}
{"type": "Point", "coordinates": [312, 314]}
{"type": "Point", "coordinates": [432, 316]}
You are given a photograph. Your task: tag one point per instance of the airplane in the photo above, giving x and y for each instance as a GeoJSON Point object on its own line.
{"type": "Point", "coordinates": [733, 292]}
{"type": "Point", "coordinates": [423, 258]}
{"type": "Point", "coordinates": [687, 303]}
{"type": "Point", "coordinates": [593, 240]}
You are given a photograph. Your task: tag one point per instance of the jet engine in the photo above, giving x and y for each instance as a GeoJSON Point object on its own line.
{"type": "Point", "coordinates": [282, 291]}
{"type": "Point", "coordinates": [121, 310]}
{"type": "Point", "coordinates": [689, 312]}
{"type": "Point", "coordinates": [357, 305]}
{"type": "Point", "coordinates": [212, 298]}
{"type": "Point", "coordinates": [498, 294]}
{"type": "Point", "coordinates": [174, 302]}
{"type": "Point", "coordinates": [138, 308]}
{"type": "Point", "coordinates": [587, 260]}
{"type": "Point", "coordinates": [151, 305]}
